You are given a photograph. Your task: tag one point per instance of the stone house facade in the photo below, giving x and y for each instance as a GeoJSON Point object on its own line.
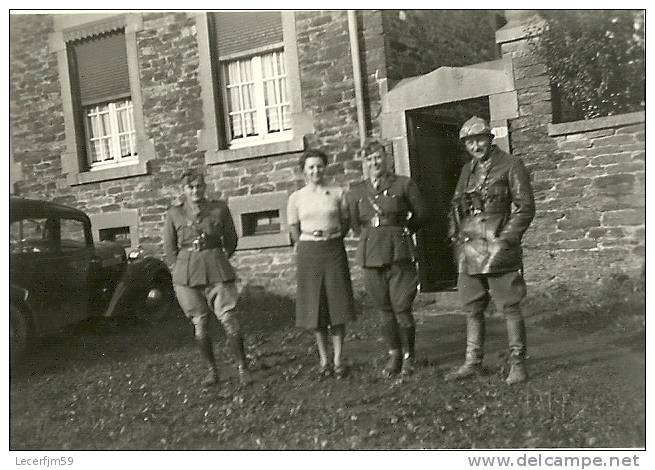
{"type": "Point", "coordinates": [243, 95]}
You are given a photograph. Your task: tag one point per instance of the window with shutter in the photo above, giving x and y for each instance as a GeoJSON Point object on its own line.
{"type": "Point", "coordinates": [250, 85]}
{"type": "Point", "coordinates": [253, 77]}
{"type": "Point", "coordinates": [101, 71]}
{"type": "Point", "coordinates": [101, 95]}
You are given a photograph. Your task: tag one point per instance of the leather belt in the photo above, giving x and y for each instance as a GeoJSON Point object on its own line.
{"type": "Point", "coordinates": [196, 247]}
{"type": "Point", "coordinates": [378, 221]}
{"type": "Point", "coordinates": [323, 234]}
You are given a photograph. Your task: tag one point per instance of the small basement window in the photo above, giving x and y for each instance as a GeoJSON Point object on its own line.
{"type": "Point", "coordinates": [261, 223]}
{"type": "Point", "coordinates": [260, 220]}
{"type": "Point", "coordinates": [120, 235]}
{"type": "Point", "coordinates": [121, 227]}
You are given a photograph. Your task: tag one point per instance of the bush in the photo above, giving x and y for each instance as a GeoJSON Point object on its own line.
{"type": "Point", "coordinates": [596, 61]}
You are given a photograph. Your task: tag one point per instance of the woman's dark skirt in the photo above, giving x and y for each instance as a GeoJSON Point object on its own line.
{"type": "Point", "coordinates": [324, 296]}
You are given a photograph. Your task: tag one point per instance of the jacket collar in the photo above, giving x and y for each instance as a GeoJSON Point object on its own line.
{"type": "Point", "coordinates": [386, 181]}
{"type": "Point", "coordinates": [189, 210]}
{"type": "Point", "coordinates": [493, 156]}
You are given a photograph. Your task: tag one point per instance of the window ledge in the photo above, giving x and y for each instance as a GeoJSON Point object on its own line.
{"type": "Point", "coordinates": [106, 174]}
{"type": "Point", "coordinates": [296, 144]}
{"type": "Point", "coordinates": [302, 125]}
{"type": "Point", "coordinates": [263, 241]}
{"type": "Point", "coordinates": [240, 205]}
{"type": "Point", "coordinates": [587, 125]}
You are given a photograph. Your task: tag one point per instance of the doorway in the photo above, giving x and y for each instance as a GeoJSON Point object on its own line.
{"type": "Point", "coordinates": [435, 163]}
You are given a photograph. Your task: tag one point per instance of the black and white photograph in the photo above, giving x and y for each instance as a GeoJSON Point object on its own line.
{"type": "Point", "coordinates": [326, 230]}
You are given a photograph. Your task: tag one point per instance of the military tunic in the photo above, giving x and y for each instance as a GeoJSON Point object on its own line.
{"type": "Point", "coordinates": [198, 245]}
{"type": "Point", "coordinates": [385, 218]}
{"type": "Point", "coordinates": [493, 206]}
{"type": "Point", "coordinates": [210, 265]}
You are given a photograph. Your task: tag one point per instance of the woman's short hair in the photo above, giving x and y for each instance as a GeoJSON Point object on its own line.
{"type": "Point", "coordinates": [372, 145]}
{"type": "Point", "coordinates": [312, 153]}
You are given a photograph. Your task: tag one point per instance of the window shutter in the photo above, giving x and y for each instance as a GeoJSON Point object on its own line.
{"type": "Point", "coordinates": [243, 31]}
{"type": "Point", "coordinates": [102, 68]}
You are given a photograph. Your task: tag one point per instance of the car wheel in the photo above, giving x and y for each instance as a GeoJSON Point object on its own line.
{"type": "Point", "coordinates": [18, 335]}
{"type": "Point", "coordinates": [158, 300]}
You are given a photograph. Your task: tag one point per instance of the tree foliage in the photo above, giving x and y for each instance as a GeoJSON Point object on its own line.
{"type": "Point", "coordinates": [595, 59]}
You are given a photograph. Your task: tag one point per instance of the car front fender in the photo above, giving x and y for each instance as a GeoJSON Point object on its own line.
{"type": "Point", "coordinates": [138, 275]}
{"type": "Point", "coordinates": [17, 293]}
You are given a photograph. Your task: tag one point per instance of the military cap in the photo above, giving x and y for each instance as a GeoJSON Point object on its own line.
{"type": "Point", "coordinates": [475, 126]}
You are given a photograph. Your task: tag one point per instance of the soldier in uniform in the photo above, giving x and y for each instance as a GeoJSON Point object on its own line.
{"type": "Point", "coordinates": [493, 206]}
{"type": "Point", "coordinates": [385, 210]}
{"type": "Point", "coordinates": [199, 238]}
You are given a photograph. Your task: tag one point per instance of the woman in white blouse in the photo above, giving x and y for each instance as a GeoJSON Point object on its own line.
{"type": "Point", "coordinates": [317, 216]}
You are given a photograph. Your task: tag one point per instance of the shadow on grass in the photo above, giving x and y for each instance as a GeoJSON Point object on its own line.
{"type": "Point", "coordinates": [100, 339]}
{"type": "Point", "coordinates": [262, 311]}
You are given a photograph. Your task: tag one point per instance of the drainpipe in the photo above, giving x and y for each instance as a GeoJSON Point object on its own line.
{"type": "Point", "coordinates": [357, 74]}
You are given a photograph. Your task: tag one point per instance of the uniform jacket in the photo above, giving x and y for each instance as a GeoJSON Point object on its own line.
{"type": "Point", "coordinates": [399, 200]}
{"type": "Point", "coordinates": [209, 266]}
{"type": "Point", "coordinates": [488, 240]}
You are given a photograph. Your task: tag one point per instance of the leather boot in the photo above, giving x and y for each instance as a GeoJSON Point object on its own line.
{"type": "Point", "coordinates": [474, 349]}
{"type": "Point", "coordinates": [206, 349]}
{"type": "Point", "coordinates": [516, 336]}
{"type": "Point", "coordinates": [391, 337]}
{"type": "Point", "coordinates": [394, 363]}
{"type": "Point", "coordinates": [390, 334]}
{"type": "Point", "coordinates": [236, 344]}
{"type": "Point", "coordinates": [408, 340]}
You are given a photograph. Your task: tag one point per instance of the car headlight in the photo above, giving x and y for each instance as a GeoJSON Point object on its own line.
{"type": "Point", "coordinates": [136, 254]}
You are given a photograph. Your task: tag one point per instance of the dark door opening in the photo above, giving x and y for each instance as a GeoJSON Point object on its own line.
{"type": "Point", "coordinates": [435, 163]}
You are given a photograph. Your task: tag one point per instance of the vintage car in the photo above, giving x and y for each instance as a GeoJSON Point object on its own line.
{"type": "Point", "coordinates": [58, 275]}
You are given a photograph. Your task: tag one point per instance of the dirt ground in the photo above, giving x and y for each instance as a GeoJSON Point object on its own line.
{"type": "Point", "coordinates": [133, 386]}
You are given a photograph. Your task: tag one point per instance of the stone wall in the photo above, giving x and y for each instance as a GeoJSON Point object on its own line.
{"type": "Point", "coordinates": [172, 107]}
{"type": "Point", "coordinates": [589, 182]}
{"type": "Point", "coordinates": [419, 41]}
{"type": "Point", "coordinates": [591, 204]}
{"type": "Point", "coordinates": [37, 122]}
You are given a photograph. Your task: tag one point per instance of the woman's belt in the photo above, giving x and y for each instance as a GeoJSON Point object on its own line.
{"type": "Point", "coordinates": [323, 234]}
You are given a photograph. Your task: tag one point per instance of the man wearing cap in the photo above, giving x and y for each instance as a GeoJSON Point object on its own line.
{"type": "Point", "coordinates": [385, 210]}
{"type": "Point", "coordinates": [493, 206]}
{"type": "Point", "coordinates": [199, 237]}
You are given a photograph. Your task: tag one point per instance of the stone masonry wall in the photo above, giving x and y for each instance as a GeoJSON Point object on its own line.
{"type": "Point", "coordinates": [37, 122]}
{"type": "Point", "coordinates": [420, 41]}
{"type": "Point", "coordinates": [172, 112]}
{"type": "Point", "coordinates": [172, 108]}
{"type": "Point", "coordinates": [589, 183]}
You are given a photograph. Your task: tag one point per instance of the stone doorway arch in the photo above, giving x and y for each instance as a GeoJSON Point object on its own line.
{"type": "Point", "coordinates": [494, 80]}
{"type": "Point", "coordinates": [421, 118]}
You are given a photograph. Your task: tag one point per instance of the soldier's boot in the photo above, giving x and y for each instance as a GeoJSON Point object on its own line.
{"type": "Point", "coordinates": [474, 350]}
{"type": "Point", "coordinates": [408, 340]}
{"type": "Point", "coordinates": [206, 349]}
{"type": "Point", "coordinates": [236, 344]}
{"type": "Point", "coordinates": [391, 337]}
{"type": "Point", "coordinates": [394, 363]}
{"type": "Point", "coordinates": [516, 336]}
